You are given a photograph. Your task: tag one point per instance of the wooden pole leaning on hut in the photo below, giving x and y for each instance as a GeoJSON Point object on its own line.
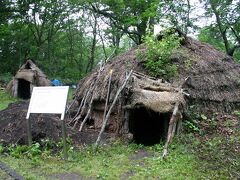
{"type": "Point", "coordinates": [91, 101]}
{"type": "Point", "coordinates": [108, 94]}
{"type": "Point", "coordinates": [80, 108]}
{"type": "Point", "coordinates": [171, 129]}
{"type": "Point", "coordinates": [110, 109]}
{"type": "Point", "coordinates": [173, 122]}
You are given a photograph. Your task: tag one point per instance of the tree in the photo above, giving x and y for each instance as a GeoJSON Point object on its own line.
{"type": "Point", "coordinates": [227, 22]}
{"type": "Point", "coordinates": [44, 19]}
{"type": "Point", "coordinates": [177, 14]}
{"type": "Point", "coordinates": [131, 17]}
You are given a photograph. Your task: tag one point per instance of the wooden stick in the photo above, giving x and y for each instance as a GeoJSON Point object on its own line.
{"type": "Point", "coordinates": [141, 75]}
{"type": "Point", "coordinates": [80, 109]}
{"type": "Point", "coordinates": [111, 107]}
{"type": "Point", "coordinates": [170, 129]}
{"type": "Point", "coordinates": [108, 93]}
{"type": "Point", "coordinates": [71, 105]}
{"type": "Point", "coordinates": [173, 123]}
{"type": "Point", "coordinates": [91, 90]}
{"type": "Point", "coordinates": [173, 130]}
{"type": "Point", "coordinates": [158, 88]}
{"type": "Point", "coordinates": [179, 126]}
{"type": "Point", "coordinates": [83, 101]}
{"type": "Point", "coordinates": [73, 119]}
{"type": "Point", "coordinates": [90, 105]}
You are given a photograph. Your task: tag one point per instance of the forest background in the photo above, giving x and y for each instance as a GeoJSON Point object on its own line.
{"type": "Point", "coordinates": [68, 38]}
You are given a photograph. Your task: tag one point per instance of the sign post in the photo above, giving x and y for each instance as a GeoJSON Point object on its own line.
{"type": "Point", "coordinates": [50, 100]}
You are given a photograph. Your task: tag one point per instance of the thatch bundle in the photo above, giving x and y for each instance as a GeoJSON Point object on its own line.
{"type": "Point", "coordinates": [211, 78]}
{"type": "Point", "coordinates": [214, 78]}
{"type": "Point", "coordinates": [28, 76]}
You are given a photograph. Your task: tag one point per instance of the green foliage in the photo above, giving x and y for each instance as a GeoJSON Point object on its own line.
{"type": "Point", "coordinates": [5, 99]}
{"type": "Point", "coordinates": [6, 77]}
{"type": "Point", "coordinates": [191, 125]}
{"type": "Point", "coordinates": [20, 150]}
{"type": "Point", "coordinates": [210, 35]}
{"type": "Point", "coordinates": [176, 13]}
{"type": "Point", "coordinates": [1, 148]}
{"type": "Point", "coordinates": [131, 17]}
{"type": "Point", "coordinates": [188, 64]}
{"type": "Point", "coordinates": [157, 58]}
{"type": "Point", "coordinates": [226, 24]}
{"type": "Point", "coordinates": [237, 113]}
{"type": "Point", "coordinates": [218, 152]}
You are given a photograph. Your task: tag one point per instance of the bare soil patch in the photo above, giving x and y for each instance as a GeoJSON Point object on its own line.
{"type": "Point", "coordinates": [13, 128]}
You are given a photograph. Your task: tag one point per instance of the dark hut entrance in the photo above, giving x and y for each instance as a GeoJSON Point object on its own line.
{"type": "Point", "coordinates": [148, 127]}
{"type": "Point", "coordinates": [23, 90]}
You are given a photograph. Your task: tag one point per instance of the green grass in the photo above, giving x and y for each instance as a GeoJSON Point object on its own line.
{"type": "Point", "coordinates": [5, 99]}
{"type": "Point", "coordinates": [113, 162]}
{"type": "Point", "coordinates": [70, 93]}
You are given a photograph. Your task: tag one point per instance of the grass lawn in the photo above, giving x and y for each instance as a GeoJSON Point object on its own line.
{"type": "Point", "coordinates": [117, 161]}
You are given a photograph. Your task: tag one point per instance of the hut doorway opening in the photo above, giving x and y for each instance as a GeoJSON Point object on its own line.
{"type": "Point", "coordinates": [23, 90]}
{"type": "Point", "coordinates": [148, 127]}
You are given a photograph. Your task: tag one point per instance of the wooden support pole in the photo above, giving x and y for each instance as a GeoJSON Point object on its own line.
{"type": "Point", "coordinates": [179, 126]}
{"type": "Point", "coordinates": [64, 135]}
{"type": "Point", "coordinates": [108, 94]}
{"type": "Point", "coordinates": [173, 130]}
{"type": "Point", "coordinates": [29, 134]}
{"type": "Point", "coordinates": [68, 108]}
{"type": "Point", "coordinates": [88, 113]}
{"type": "Point", "coordinates": [90, 105]}
{"type": "Point", "coordinates": [110, 109]}
{"type": "Point", "coordinates": [81, 108]}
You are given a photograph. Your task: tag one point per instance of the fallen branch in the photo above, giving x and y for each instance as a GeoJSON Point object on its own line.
{"type": "Point", "coordinates": [111, 107]}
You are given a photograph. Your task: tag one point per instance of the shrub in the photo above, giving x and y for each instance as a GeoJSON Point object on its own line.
{"type": "Point", "coordinates": [157, 58]}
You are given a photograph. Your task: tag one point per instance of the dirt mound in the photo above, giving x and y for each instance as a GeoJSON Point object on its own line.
{"type": "Point", "coordinates": [13, 127]}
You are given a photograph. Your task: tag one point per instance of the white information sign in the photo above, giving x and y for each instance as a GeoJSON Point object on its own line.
{"type": "Point", "coordinates": [48, 100]}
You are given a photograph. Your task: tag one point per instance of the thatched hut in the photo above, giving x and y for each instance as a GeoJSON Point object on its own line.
{"type": "Point", "coordinates": [210, 77]}
{"type": "Point", "coordinates": [28, 76]}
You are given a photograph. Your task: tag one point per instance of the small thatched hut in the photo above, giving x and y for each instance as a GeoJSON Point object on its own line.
{"type": "Point", "coordinates": [210, 77]}
{"type": "Point", "coordinates": [28, 76]}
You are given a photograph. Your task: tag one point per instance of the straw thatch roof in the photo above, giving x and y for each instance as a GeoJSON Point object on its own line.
{"type": "Point", "coordinates": [213, 77]}
{"type": "Point", "coordinates": [28, 76]}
